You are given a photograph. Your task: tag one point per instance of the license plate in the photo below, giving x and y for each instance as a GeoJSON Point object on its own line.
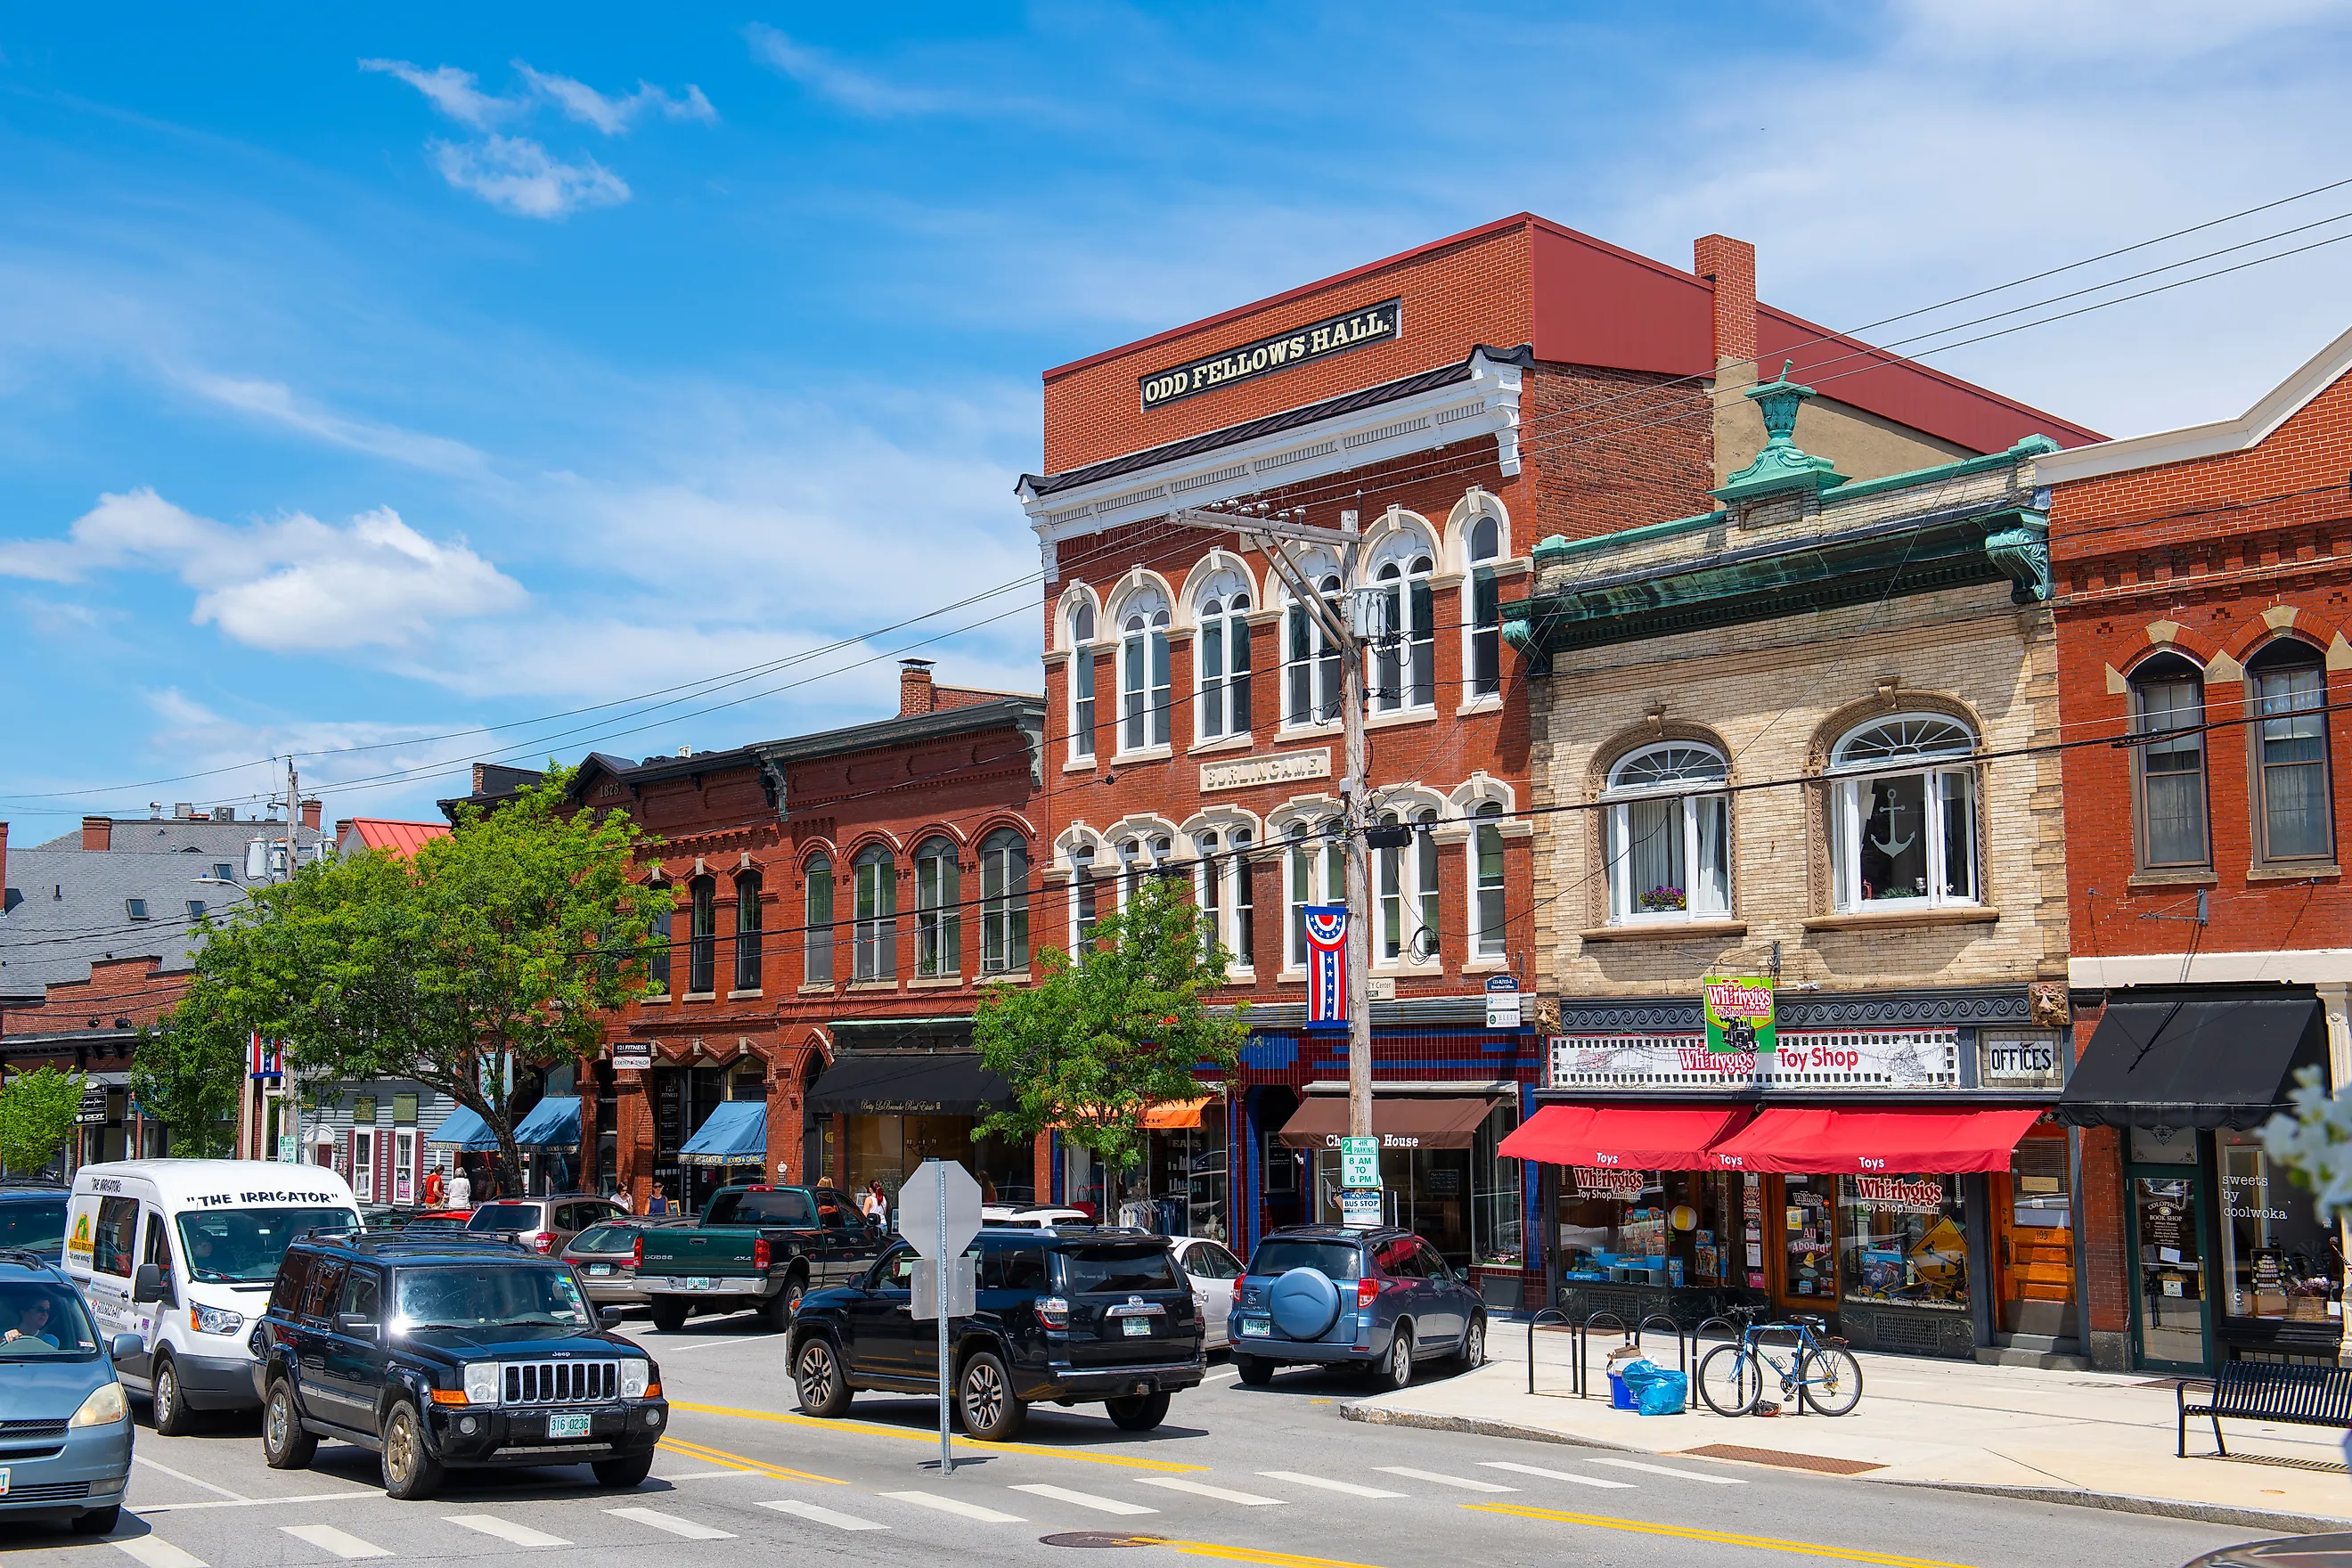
{"type": "Point", "coordinates": [1252, 1329]}
{"type": "Point", "coordinates": [600, 1268]}
{"type": "Point", "coordinates": [1138, 1328]}
{"type": "Point", "coordinates": [697, 1282]}
{"type": "Point", "coordinates": [4, 1481]}
{"type": "Point", "coordinates": [567, 1426]}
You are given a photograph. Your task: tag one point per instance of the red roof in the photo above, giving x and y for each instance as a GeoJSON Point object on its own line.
{"type": "Point", "coordinates": [381, 833]}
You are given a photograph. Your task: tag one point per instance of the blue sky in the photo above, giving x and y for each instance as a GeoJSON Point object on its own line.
{"type": "Point", "coordinates": [365, 381]}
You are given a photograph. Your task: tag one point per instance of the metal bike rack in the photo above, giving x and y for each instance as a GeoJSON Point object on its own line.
{"type": "Point", "coordinates": [1682, 1351]}
{"type": "Point", "coordinates": [1581, 1385]}
{"type": "Point", "coordinates": [1557, 1316]}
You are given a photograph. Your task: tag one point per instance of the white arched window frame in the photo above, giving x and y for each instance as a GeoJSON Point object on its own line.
{"type": "Point", "coordinates": [1085, 892]}
{"type": "Point", "coordinates": [1406, 899]}
{"type": "Point", "coordinates": [1903, 797]}
{"type": "Point", "coordinates": [1221, 647]}
{"type": "Point", "coordinates": [1669, 829]}
{"type": "Point", "coordinates": [1221, 887]}
{"type": "Point", "coordinates": [1488, 914]}
{"type": "Point", "coordinates": [1143, 672]}
{"type": "Point", "coordinates": [1316, 873]}
{"type": "Point", "coordinates": [1312, 678]}
{"type": "Point", "coordinates": [1404, 658]}
{"type": "Point", "coordinates": [1482, 661]}
{"type": "Point", "coordinates": [1082, 680]}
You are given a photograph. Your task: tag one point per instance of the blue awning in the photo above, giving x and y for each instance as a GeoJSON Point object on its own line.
{"type": "Point", "coordinates": [465, 1129]}
{"type": "Point", "coordinates": [736, 1135]}
{"type": "Point", "coordinates": [554, 1123]}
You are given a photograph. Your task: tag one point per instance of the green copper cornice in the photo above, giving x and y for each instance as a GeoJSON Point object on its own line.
{"type": "Point", "coordinates": [1781, 466]}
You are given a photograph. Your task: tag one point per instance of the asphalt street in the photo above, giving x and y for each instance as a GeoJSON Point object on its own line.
{"type": "Point", "coordinates": [1271, 1476]}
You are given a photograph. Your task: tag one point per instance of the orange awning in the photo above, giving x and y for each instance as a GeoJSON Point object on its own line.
{"type": "Point", "coordinates": [1172, 1115]}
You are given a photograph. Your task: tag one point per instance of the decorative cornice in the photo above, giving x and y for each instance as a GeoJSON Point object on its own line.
{"type": "Point", "coordinates": [1907, 1009]}
{"type": "Point", "coordinates": [1781, 466]}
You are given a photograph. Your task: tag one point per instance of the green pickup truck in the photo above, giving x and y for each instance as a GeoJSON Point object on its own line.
{"type": "Point", "coordinates": [756, 1248]}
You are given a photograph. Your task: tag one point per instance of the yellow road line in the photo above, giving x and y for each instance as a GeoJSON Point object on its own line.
{"type": "Point", "coordinates": [875, 1429]}
{"type": "Point", "coordinates": [1252, 1554]}
{"type": "Point", "coordinates": [743, 1462]}
{"type": "Point", "coordinates": [1683, 1532]}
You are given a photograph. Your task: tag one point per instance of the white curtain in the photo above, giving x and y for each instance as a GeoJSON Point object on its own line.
{"type": "Point", "coordinates": [1710, 890]}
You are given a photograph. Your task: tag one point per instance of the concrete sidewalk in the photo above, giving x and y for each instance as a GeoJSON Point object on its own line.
{"type": "Point", "coordinates": [2097, 1440]}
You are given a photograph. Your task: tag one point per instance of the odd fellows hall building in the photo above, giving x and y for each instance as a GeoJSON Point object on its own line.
{"type": "Point", "coordinates": [1453, 406]}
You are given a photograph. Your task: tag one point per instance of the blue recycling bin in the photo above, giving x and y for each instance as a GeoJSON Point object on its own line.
{"type": "Point", "coordinates": [1621, 1397]}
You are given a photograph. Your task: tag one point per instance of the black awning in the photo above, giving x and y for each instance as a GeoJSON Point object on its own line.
{"type": "Point", "coordinates": [2195, 1058]}
{"type": "Point", "coordinates": [909, 1083]}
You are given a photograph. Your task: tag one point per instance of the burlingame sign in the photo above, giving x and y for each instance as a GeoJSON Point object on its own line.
{"type": "Point", "coordinates": [1318, 339]}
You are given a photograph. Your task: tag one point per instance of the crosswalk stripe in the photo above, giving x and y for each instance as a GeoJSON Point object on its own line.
{"type": "Point", "coordinates": [1553, 1475]}
{"type": "Point", "coordinates": [1201, 1489]}
{"type": "Point", "coordinates": [671, 1522]}
{"type": "Point", "coordinates": [1084, 1499]}
{"type": "Point", "coordinates": [157, 1552]}
{"type": "Point", "coordinates": [1464, 1482]}
{"type": "Point", "coordinates": [327, 1538]}
{"type": "Point", "coordinates": [1670, 1470]}
{"type": "Point", "coordinates": [504, 1529]}
{"type": "Point", "coordinates": [1351, 1488]}
{"type": "Point", "coordinates": [810, 1510]}
{"type": "Point", "coordinates": [957, 1506]}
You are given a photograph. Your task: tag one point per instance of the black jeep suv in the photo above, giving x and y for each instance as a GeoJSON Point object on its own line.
{"type": "Point", "coordinates": [442, 1350]}
{"type": "Point", "coordinates": [1073, 1314]}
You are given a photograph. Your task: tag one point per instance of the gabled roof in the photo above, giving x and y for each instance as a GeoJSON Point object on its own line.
{"type": "Point", "coordinates": [388, 837]}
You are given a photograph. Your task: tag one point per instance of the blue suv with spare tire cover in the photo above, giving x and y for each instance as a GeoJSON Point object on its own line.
{"type": "Point", "coordinates": [1381, 1299]}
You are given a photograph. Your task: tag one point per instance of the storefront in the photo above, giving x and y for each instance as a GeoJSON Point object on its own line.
{"type": "Point", "coordinates": [883, 1113]}
{"type": "Point", "coordinates": [682, 1099]}
{"type": "Point", "coordinates": [1177, 1188]}
{"type": "Point", "coordinates": [1441, 1165]}
{"type": "Point", "coordinates": [2226, 1257]}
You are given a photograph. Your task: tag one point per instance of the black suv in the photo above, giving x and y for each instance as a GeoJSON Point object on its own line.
{"type": "Point", "coordinates": [441, 1349]}
{"type": "Point", "coordinates": [1074, 1314]}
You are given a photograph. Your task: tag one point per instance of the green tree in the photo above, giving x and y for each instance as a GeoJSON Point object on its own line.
{"type": "Point", "coordinates": [36, 1116]}
{"type": "Point", "coordinates": [500, 948]}
{"type": "Point", "coordinates": [186, 1074]}
{"type": "Point", "coordinates": [1103, 1037]}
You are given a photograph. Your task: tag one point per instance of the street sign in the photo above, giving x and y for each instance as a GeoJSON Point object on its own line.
{"type": "Point", "coordinates": [963, 1271]}
{"type": "Point", "coordinates": [1360, 1210]}
{"type": "Point", "coordinates": [1502, 1001]}
{"type": "Point", "coordinates": [1359, 1161]}
{"type": "Point", "coordinates": [940, 1190]}
{"type": "Point", "coordinates": [285, 1148]}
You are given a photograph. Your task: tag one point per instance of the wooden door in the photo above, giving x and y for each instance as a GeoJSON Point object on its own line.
{"type": "Point", "coordinates": [1804, 1221]}
{"type": "Point", "coordinates": [2035, 1255]}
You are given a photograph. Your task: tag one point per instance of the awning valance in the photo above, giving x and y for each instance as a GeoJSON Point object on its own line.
{"type": "Point", "coordinates": [1175, 1115]}
{"type": "Point", "coordinates": [466, 1131]}
{"type": "Point", "coordinates": [1436, 1122]}
{"type": "Point", "coordinates": [1793, 1141]}
{"type": "Point", "coordinates": [735, 1133]}
{"type": "Point", "coordinates": [552, 1123]}
{"type": "Point", "coordinates": [2195, 1058]}
{"type": "Point", "coordinates": [909, 1083]}
{"type": "Point", "coordinates": [1627, 1137]}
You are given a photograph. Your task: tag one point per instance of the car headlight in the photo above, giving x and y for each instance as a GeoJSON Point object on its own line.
{"type": "Point", "coordinates": [215, 1319]}
{"type": "Point", "coordinates": [635, 1376]}
{"type": "Point", "coordinates": [104, 1406]}
{"type": "Point", "coordinates": [481, 1382]}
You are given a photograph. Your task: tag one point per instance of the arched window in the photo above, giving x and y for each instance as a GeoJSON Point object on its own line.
{"type": "Point", "coordinates": [1907, 831]}
{"type": "Point", "coordinates": [1221, 887]}
{"type": "Point", "coordinates": [658, 928]}
{"type": "Point", "coordinates": [1083, 911]}
{"type": "Point", "coordinates": [1082, 680]}
{"type": "Point", "coordinates": [1244, 929]}
{"type": "Point", "coordinates": [1485, 661]}
{"type": "Point", "coordinates": [1003, 903]}
{"type": "Point", "coordinates": [816, 965]}
{"type": "Point", "coordinates": [874, 939]}
{"type": "Point", "coordinates": [937, 950]}
{"type": "Point", "coordinates": [1404, 892]}
{"type": "Point", "coordinates": [1222, 656]}
{"type": "Point", "coordinates": [1404, 659]}
{"type": "Point", "coordinates": [1311, 847]}
{"type": "Point", "coordinates": [1311, 676]}
{"type": "Point", "coordinates": [746, 931]}
{"type": "Point", "coordinates": [2288, 685]}
{"type": "Point", "coordinates": [1143, 672]}
{"type": "Point", "coordinates": [1487, 914]}
{"type": "Point", "coordinates": [2167, 708]}
{"type": "Point", "coordinates": [1669, 837]}
{"type": "Point", "coordinates": [702, 939]}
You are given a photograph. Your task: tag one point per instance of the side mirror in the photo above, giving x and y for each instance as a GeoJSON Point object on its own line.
{"type": "Point", "coordinates": [609, 1317]}
{"type": "Point", "coordinates": [873, 1224]}
{"type": "Point", "coordinates": [358, 1325]}
{"type": "Point", "coordinates": [123, 1347]}
{"type": "Point", "coordinates": [151, 1284]}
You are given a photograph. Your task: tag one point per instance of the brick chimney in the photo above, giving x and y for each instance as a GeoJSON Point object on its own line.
{"type": "Point", "coordinates": [915, 694]}
{"type": "Point", "coordinates": [97, 833]}
{"type": "Point", "coordinates": [312, 810]}
{"type": "Point", "coordinates": [1729, 265]}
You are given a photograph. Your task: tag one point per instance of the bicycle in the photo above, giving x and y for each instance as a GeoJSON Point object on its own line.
{"type": "Point", "coordinates": [1822, 1373]}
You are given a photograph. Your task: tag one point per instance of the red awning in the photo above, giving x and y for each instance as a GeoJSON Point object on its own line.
{"type": "Point", "coordinates": [1876, 1142]}
{"type": "Point", "coordinates": [1626, 1138]}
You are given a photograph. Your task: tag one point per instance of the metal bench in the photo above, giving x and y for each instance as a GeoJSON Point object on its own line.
{"type": "Point", "coordinates": [2266, 1391]}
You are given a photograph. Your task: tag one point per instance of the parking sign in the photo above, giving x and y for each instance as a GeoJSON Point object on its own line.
{"type": "Point", "coordinates": [1360, 1162]}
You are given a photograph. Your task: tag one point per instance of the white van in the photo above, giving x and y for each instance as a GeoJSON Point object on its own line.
{"type": "Point", "coordinates": [183, 1254]}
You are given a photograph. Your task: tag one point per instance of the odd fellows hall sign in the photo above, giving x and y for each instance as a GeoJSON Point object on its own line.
{"type": "Point", "coordinates": [1317, 340]}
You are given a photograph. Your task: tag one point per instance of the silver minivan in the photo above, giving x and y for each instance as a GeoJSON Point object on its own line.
{"type": "Point", "coordinates": [65, 1443]}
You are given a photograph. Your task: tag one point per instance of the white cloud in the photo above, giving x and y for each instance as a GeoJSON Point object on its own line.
{"type": "Point", "coordinates": [452, 91]}
{"type": "Point", "coordinates": [853, 90]}
{"type": "Point", "coordinates": [275, 401]}
{"type": "Point", "coordinates": [516, 175]}
{"type": "Point", "coordinates": [290, 583]}
{"type": "Point", "coordinates": [611, 115]}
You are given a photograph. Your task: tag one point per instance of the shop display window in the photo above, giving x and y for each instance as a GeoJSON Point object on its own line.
{"type": "Point", "coordinates": [2278, 1261]}
{"type": "Point", "coordinates": [1647, 1228]}
{"type": "Point", "coordinates": [1905, 1241]}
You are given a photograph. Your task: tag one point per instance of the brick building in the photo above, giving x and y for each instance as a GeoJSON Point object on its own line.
{"type": "Point", "coordinates": [1454, 404]}
{"type": "Point", "coordinates": [2205, 579]}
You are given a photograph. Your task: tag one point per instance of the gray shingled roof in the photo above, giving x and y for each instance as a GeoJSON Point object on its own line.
{"type": "Point", "coordinates": [68, 906]}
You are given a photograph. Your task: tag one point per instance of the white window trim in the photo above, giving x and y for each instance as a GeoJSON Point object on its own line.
{"type": "Point", "coordinates": [1227, 621]}
{"type": "Point", "coordinates": [1399, 550]}
{"type": "Point", "coordinates": [1155, 627]}
{"type": "Point", "coordinates": [1412, 924]}
{"type": "Point", "coordinates": [1471, 935]}
{"type": "Point", "coordinates": [1617, 830]}
{"type": "Point", "coordinates": [1319, 658]}
{"type": "Point", "coordinates": [1847, 812]}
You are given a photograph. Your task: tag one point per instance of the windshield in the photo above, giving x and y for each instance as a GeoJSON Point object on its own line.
{"type": "Point", "coordinates": [1088, 1269]}
{"type": "Point", "coordinates": [41, 1226]}
{"type": "Point", "coordinates": [41, 1321]}
{"type": "Point", "coordinates": [762, 1208]}
{"type": "Point", "coordinates": [479, 1298]}
{"type": "Point", "coordinates": [242, 1246]}
{"type": "Point", "coordinates": [607, 1238]}
{"type": "Point", "coordinates": [505, 1216]}
{"type": "Point", "coordinates": [1337, 1259]}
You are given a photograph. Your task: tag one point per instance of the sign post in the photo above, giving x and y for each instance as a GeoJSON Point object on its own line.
{"type": "Point", "coordinates": [938, 1214]}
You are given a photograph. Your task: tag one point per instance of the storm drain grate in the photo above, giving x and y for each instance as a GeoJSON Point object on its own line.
{"type": "Point", "coordinates": [1100, 1538]}
{"type": "Point", "coordinates": [2279, 1462]}
{"type": "Point", "coordinates": [1785, 1460]}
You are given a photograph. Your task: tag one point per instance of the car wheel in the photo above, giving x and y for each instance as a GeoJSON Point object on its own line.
{"type": "Point", "coordinates": [985, 1398]}
{"type": "Point", "coordinates": [669, 1314]}
{"type": "Point", "coordinates": [284, 1445]}
{"type": "Point", "coordinates": [624, 1473]}
{"type": "Point", "coordinates": [1474, 1345]}
{"type": "Point", "coordinates": [410, 1473]}
{"type": "Point", "coordinates": [1138, 1411]}
{"type": "Point", "coordinates": [785, 1302]}
{"type": "Point", "coordinates": [1255, 1370]}
{"type": "Point", "coordinates": [97, 1521]}
{"type": "Point", "coordinates": [167, 1404]}
{"type": "Point", "coordinates": [1395, 1369]}
{"type": "Point", "coordinates": [824, 1392]}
